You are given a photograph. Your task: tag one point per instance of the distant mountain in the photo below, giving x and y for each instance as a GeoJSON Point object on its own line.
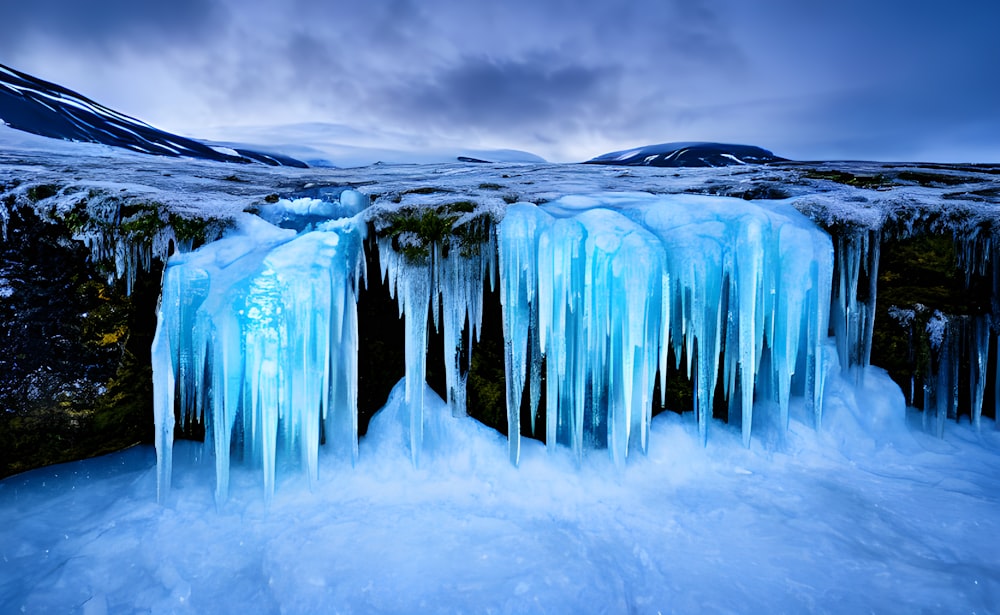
{"type": "Point", "coordinates": [688, 154]}
{"type": "Point", "coordinates": [322, 144]}
{"type": "Point", "coordinates": [43, 108]}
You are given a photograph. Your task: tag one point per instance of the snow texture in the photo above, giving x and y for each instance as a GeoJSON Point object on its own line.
{"type": "Point", "coordinates": [869, 515]}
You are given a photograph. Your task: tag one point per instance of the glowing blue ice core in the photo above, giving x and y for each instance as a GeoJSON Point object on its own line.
{"type": "Point", "coordinates": [257, 334]}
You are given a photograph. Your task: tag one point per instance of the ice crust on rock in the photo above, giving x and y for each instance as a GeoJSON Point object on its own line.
{"type": "Point", "coordinates": [604, 287]}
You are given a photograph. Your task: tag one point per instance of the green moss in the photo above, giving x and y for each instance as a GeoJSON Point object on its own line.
{"type": "Point", "coordinates": [425, 190]}
{"type": "Point", "coordinates": [486, 387]}
{"type": "Point", "coordinates": [473, 235]}
{"type": "Point", "coordinates": [871, 182]}
{"type": "Point", "coordinates": [490, 186]}
{"type": "Point", "coordinates": [77, 219]}
{"type": "Point", "coordinates": [194, 230]}
{"type": "Point", "coordinates": [121, 415]}
{"type": "Point", "coordinates": [921, 274]}
{"type": "Point", "coordinates": [42, 192]}
{"type": "Point", "coordinates": [464, 207]}
{"type": "Point", "coordinates": [929, 180]}
{"type": "Point", "coordinates": [143, 227]}
{"type": "Point", "coordinates": [429, 226]}
{"type": "Point", "coordinates": [416, 229]}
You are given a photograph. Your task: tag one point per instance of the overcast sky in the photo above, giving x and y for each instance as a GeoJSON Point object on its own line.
{"type": "Point", "coordinates": [566, 79]}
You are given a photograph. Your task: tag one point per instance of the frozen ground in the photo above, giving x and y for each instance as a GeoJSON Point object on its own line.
{"type": "Point", "coordinates": [870, 514]}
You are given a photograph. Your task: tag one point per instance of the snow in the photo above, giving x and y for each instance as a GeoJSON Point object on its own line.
{"type": "Point", "coordinates": [870, 514]}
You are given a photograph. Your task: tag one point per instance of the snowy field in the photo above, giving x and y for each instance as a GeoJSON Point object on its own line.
{"type": "Point", "coordinates": [870, 514]}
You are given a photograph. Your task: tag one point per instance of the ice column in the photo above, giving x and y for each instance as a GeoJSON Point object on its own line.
{"type": "Point", "coordinates": [262, 328]}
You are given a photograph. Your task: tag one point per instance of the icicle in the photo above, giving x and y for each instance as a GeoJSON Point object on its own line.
{"type": "Point", "coordinates": [272, 320]}
{"type": "Point", "coordinates": [518, 248]}
{"type": "Point", "coordinates": [460, 278]}
{"type": "Point", "coordinates": [617, 275]}
{"type": "Point", "coordinates": [979, 354]}
{"type": "Point", "coordinates": [852, 319]}
{"type": "Point", "coordinates": [448, 287]}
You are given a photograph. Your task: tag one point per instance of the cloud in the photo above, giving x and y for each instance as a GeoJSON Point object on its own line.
{"type": "Point", "coordinates": [572, 78]}
{"type": "Point", "coordinates": [538, 94]}
{"type": "Point", "coordinates": [102, 26]}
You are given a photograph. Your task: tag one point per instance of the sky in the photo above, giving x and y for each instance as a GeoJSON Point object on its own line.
{"type": "Point", "coordinates": [565, 79]}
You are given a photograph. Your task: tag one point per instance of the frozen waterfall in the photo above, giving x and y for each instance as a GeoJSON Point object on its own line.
{"type": "Point", "coordinates": [604, 287]}
{"type": "Point", "coordinates": [257, 338]}
{"type": "Point", "coordinates": [257, 335]}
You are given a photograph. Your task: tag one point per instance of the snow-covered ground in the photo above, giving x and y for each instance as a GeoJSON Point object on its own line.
{"type": "Point", "coordinates": [868, 514]}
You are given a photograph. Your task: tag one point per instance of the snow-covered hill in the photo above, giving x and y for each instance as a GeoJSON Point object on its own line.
{"type": "Point", "coordinates": [688, 154]}
{"type": "Point", "coordinates": [43, 108]}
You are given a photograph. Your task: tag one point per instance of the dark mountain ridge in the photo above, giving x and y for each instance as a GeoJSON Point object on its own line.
{"type": "Point", "coordinates": [50, 110]}
{"type": "Point", "coordinates": [688, 154]}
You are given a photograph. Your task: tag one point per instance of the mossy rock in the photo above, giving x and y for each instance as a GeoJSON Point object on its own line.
{"type": "Point", "coordinates": [42, 192]}
{"type": "Point", "coordinates": [919, 276]}
{"type": "Point", "coordinates": [415, 230]}
{"type": "Point", "coordinates": [74, 349]}
{"type": "Point", "coordinates": [870, 182]}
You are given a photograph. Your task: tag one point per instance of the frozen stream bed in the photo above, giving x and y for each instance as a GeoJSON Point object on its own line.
{"type": "Point", "coordinates": [869, 514]}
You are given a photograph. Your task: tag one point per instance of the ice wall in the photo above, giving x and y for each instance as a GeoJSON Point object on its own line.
{"type": "Point", "coordinates": [603, 287]}
{"type": "Point", "coordinates": [257, 333]}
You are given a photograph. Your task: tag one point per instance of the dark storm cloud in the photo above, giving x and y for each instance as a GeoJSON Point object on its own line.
{"type": "Point", "coordinates": [495, 95]}
{"type": "Point", "coordinates": [108, 24]}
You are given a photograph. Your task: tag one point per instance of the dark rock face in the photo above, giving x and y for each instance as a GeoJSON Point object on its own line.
{"type": "Point", "coordinates": [688, 154]}
{"type": "Point", "coordinates": [74, 350]}
{"type": "Point", "coordinates": [50, 110]}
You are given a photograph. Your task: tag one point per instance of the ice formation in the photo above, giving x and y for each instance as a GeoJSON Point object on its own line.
{"type": "Point", "coordinates": [257, 334]}
{"type": "Point", "coordinates": [852, 316]}
{"type": "Point", "coordinates": [257, 337]}
{"type": "Point", "coordinates": [448, 286]}
{"type": "Point", "coordinates": [604, 288]}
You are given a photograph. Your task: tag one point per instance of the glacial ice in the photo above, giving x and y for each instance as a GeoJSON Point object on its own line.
{"type": "Point", "coordinates": [257, 334]}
